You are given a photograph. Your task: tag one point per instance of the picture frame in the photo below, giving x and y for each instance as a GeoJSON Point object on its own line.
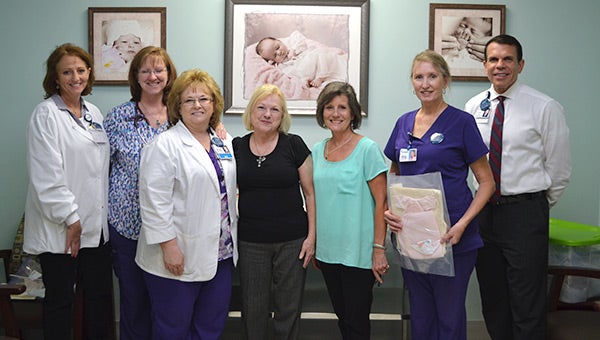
{"type": "Point", "coordinates": [317, 31]}
{"type": "Point", "coordinates": [459, 32]}
{"type": "Point", "coordinates": [137, 26]}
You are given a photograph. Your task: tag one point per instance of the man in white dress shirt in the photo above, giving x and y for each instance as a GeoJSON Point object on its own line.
{"type": "Point", "coordinates": [535, 167]}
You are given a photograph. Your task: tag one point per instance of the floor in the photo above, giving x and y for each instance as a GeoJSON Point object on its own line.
{"type": "Point", "coordinates": [327, 330]}
{"type": "Point", "coordinates": [319, 322]}
{"type": "Point", "coordinates": [322, 330]}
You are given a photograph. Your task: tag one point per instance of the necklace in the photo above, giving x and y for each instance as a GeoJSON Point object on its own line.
{"type": "Point", "coordinates": [327, 152]}
{"type": "Point", "coordinates": [158, 121]}
{"type": "Point", "coordinates": [261, 157]}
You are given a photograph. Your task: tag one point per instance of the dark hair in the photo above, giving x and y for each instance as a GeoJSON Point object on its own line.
{"type": "Point", "coordinates": [332, 90]}
{"type": "Point", "coordinates": [155, 53]}
{"type": "Point", "coordinates": [259, 45]}
{"type": "Point", "coordinates": [195, 78]}
{"type": "Point", "coordinates": [505, 39]}
{"type": "Point", "coordinates": [50, 80]}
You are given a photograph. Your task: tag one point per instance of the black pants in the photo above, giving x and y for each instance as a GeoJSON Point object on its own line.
{"type": "Point", "coordinates": [512, 268]}
{"type": "Point", "coordinates": [351, 293]}
{"type": "Point", "coordinates": [92, 270]}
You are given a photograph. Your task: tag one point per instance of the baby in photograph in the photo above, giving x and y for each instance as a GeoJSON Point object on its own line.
{"type": "Point", "coordinates": [315, 66]}
{"type": "Point", "coordinates": [123, 42]}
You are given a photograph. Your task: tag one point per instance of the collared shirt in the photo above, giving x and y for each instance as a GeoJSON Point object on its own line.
{"type": "Point", "coordinates": [535, 142]}
{"type": "Point", "coordinates": [128, 132]}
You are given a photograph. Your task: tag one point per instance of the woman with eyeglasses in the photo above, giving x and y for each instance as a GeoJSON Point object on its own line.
{"type": "Point", "coordinates": [65, 211]}
{"type": "Point", "coordinates": [130, 126]}
{"type": "Point", "coordinates": [277, 234]}
{"type": "Point", "coordinates": [187, 243]}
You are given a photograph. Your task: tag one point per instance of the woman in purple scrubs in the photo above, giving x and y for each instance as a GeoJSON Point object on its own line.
{"type": "Point", "coordinates": [445, 139]}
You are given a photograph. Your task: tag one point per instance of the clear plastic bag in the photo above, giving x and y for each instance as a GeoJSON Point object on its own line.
{"type": "Point", "coordinates": [420, 202]}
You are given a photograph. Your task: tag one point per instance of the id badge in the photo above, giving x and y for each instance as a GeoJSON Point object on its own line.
{"type": "Point", "coordinates": [223, 152]}
{"type": "Point", "coordinates": [408, 155]}
{"type": "Point", "coordinates": [482, 116]}
{"type": "Point", "coordinates": [221, 149]}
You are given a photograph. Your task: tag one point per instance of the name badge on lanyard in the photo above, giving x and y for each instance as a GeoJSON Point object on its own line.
{"type": "Point", "coordinates": [408, 154]}
{"type": "Point", "coordinates": [221, 149]}
{"type": "Point", "coordinates": [483, 114]}
{"type": "Point", "coordinates": [95, 129]}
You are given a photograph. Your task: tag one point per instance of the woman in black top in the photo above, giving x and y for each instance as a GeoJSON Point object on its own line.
{"type": "Point", "coordinates": [276, 233]}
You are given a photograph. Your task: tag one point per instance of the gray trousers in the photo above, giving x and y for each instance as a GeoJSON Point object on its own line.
{"type": "Point", "coordinates": [272, 280]}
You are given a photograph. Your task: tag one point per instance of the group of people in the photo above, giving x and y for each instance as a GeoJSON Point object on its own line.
{"type": "Point", "coordinates": [160, 177]}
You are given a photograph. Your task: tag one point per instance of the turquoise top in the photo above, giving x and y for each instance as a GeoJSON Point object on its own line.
{"type": "Point", "coordinates": [345, 206]}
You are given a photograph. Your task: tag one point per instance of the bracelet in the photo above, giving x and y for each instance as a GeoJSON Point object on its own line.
{"type": "Point", "coordinates": [378, 246]}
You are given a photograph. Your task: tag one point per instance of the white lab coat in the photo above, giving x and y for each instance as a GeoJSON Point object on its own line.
{"type": "Point", "coordinates": [68, 179]}
{"type": "Point", "coordinates": [180, 198]}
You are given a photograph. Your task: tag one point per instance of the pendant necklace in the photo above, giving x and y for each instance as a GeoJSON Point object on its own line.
{"type": "Point", "coordinates": [158, 122]}
{"type": "Point", "coordinates": [261, 158]}
{"type": "Point", "coordinates": [327, 152]}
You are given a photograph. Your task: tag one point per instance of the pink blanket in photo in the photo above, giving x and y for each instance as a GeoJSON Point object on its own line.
{"type": "Point", "coordinates": [258, 72]}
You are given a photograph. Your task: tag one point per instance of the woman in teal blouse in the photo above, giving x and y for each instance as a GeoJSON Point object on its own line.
{"type": "Point", "coordinates": [349, 174]}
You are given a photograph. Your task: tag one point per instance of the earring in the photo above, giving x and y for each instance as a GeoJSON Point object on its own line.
{"type": "Point", "coordinates": [444, 91]}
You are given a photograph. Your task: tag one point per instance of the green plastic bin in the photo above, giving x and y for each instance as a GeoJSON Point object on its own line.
{"type": "Point", "coordinates": [573, 234]}
{"type": "Point", "coordinates": [575, 245]}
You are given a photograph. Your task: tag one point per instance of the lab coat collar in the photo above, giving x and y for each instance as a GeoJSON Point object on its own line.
{"type": "Point", "coordinates": [198, 153]}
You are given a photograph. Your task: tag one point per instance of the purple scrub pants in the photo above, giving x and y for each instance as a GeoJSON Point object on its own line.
{"type": "Point", "coordinates": [190, 310]}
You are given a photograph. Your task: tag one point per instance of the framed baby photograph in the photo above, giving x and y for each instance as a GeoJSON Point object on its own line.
{"type": "Point", "coordinates": [298, 45]}
{"type": "Point", "coordinates": [116, 34]}
{"type": "Point", "coordinates": [459, 33]}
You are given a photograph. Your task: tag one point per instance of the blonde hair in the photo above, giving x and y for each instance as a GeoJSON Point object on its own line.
{"type": "Point", "coordinates": [200, 79]}
{"type": "Point", "coordinates": [260, 93]}
{"type": "Point", "coordinates": [436, 60]}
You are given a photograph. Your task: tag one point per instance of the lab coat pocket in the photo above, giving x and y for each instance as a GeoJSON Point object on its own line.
{"type": "Point", "coordinates": [196, 260]}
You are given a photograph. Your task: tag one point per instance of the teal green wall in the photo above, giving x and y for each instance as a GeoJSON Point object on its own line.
{"type": "Point", "coordinates": [560, 49]}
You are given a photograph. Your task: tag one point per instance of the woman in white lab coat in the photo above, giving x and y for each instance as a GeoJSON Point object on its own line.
{"type": "Point", "coordinates": [187, 245]}
{"type": "Point", "coordinates": [66, 205]}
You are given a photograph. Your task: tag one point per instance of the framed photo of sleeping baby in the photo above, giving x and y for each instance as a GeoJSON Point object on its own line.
{"type": "Point", "coordinates": [298, 45]}
{"type": "Point", "coordinates": [116, 34]}
{"type": "Point", "coordinates": [459, 32]}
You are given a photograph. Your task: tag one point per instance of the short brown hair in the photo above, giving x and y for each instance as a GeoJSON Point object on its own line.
{"type": "Point", "coordinates": [49, 83]}
{"type": "Point", "coordinates": [332, 90]}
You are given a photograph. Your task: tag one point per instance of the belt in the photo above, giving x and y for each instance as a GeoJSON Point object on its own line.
{"type": "Point", "coordinates": [511, 199]}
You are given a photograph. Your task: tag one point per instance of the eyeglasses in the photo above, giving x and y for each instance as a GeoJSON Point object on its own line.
{"type": "Point", "coordinates": [147, 73]}
{"type": "Point", "coordinates": [189, 102]}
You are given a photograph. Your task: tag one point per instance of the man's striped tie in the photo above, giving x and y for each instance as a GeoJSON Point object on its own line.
{"type": "Point", "coordinates": [496, 147]}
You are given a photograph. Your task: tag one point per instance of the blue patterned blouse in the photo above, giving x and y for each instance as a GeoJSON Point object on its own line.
{"type": "Point", "coordinates": [128, 132]}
